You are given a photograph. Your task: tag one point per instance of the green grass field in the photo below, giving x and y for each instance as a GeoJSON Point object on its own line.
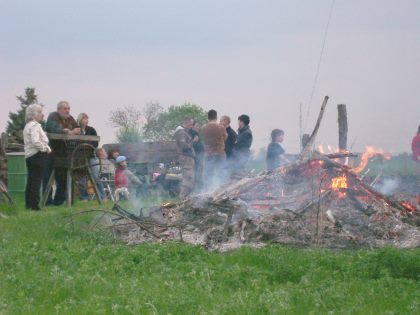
{"type": "Point", "coordinates": [48, 266]}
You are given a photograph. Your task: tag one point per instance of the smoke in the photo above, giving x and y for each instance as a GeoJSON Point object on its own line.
{"type": "Point", "coordinates": [388, 186]}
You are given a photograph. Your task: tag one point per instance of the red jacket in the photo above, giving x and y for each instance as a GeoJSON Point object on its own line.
{"type": "Point", "coordinates": [121, 178]}
{"type": "Point", "coordinates": [415, 147]}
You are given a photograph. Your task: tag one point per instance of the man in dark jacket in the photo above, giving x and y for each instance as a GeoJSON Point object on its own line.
{"type": "Point", "coordinates": [59, 122]}
{"type": "Point", "coordinates": [186, 152]}
{"type": "Point", "coordinates": [232, 136]}
{"type": "Point", "coordinates": [243, 144]}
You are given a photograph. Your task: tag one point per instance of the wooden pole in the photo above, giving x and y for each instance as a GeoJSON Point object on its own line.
{"type": "Point", "coordinates": [69, 187]}
{"type": "Point", "coordinates": [342, 127]}
{"type": "Point", "coordinates": [306, 151]}
{"type": "Point", "coordinates": [95, 186]}
{"type": "Point", "coordinates": [48, 189]}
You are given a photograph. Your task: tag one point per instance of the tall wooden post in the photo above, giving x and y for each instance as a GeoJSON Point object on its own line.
{"type": "Point", "coordinates": [342, 127]}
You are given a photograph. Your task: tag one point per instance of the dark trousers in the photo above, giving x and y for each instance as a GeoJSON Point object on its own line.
{"type": "Point", "coordinates": [198, 171]}
{"type": "Point", "coordinates": [36, 167]}
{"type": "Point", "coordinates": [60, 182]}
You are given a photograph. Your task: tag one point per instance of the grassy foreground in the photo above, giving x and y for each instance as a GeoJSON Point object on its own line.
{"type": "Point", "coordinates": [50, 267]}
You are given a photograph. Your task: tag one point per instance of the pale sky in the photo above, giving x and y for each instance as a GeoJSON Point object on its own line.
{"type": "Point", "coordinates": [255, 57]}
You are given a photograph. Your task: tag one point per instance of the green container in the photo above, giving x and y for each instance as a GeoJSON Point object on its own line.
{"type": "Point", "coordinates": [16, 173]}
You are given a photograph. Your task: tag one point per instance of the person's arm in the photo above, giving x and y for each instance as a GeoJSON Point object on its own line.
{"type": "Point", "coordinates": [133, 178]}
{"type": "Point", "coordinates": [234, 137]}
{"type": "Point", "coordinates": [92, 132]}
{"type": "Point", "coordinates": [183, 142]}
{"type": "Point", "coordinates": [284, 158]}
{"type": "Point", "coordinates": [35, 135]}
{"type": "Point", "coordinates": [53, 126]}
{"type": "Point", "coordinates": [225, 134]}
{"type": "Point", "coordinates": [244, 141]}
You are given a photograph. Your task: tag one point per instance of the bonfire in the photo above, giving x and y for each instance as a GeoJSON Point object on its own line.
{"type": "Point", "coordinates": [314, 201]}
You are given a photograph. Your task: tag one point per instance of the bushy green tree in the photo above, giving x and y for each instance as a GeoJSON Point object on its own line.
{"type": "Point", "coordinates": [16, 121]}
{"type": "Point", "coordinates": [163, 124]}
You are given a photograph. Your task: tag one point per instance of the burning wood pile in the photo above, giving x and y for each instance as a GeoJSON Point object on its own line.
{"type": "Point", "coordinates": [314, 202]}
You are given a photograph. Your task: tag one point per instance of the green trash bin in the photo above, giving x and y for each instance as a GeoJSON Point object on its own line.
{"type": "Point", "coordinates": [16, 174]}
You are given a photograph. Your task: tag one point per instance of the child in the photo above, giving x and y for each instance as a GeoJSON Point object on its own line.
{"type": "Point", "coordinates": [275, 151]}
{"type": "Point", "coordinates": [125, 180]}
{"type": "Point", "coordinates": [113, 154]}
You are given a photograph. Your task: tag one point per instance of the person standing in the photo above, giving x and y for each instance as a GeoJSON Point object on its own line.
{"type": "Point", "coordinates": [214, 136]}
{"type": "Point", "coordinates": [198, 146]}
{"type": "Point", "coordinates": [59, 122]}
{"type": "Point", "coordinates": [232, 136]}
{"type": "Point", "coordinates": [85, 129]}
{"type": "Point", "coordinates": [243, 144]}
{"type": "Point", "coordinates": [36, 150]}
{"type": "Point", "coordinates": [186, 152]}
{"type": "Point", "coordinates": [275, 152]}
{"type": "Point", "coordinates": [415, 146]}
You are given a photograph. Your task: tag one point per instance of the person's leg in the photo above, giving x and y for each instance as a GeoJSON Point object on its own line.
{"type": "Point", "coordinates": [187, 176]}
{"type": "Point", "coordinates": [38, 173]}
{"type": "Point", "coordinates": [220, 170]}
{"type": "Point", "coordinates": [29, 181]}
{"type": "Point", "coordinates": [198, 172]}
{"type": "Point", "coordinates": [49, 166]}
{"type": "Point", "coordinates": [209, 172]}
{"type": "Point", "coordinates": [95, 170]}
{"type": "Point", "coordinates": [61, 184]}
{"type": "Point", "coordinates": [83, 189]}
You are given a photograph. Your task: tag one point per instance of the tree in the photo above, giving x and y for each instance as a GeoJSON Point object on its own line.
{"type": "Point", "coordinates": [152, 111]}
{"type": "Point", "coordinates": [162, 126]}
{"type": "Point", "coordinates": [16, 121]}
{"type": "Point", "coordinates": [129, 121]}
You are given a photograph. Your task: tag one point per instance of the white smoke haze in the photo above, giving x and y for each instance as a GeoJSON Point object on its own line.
{"type": "Point", "coordinates": [388, 186]}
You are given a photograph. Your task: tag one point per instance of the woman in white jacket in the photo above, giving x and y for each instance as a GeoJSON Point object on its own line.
{"type": "Point", "coordinates": [36, 150]}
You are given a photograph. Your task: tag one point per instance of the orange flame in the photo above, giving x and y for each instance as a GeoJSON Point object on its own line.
{"type": "Point", "coordinates": [408, 206]}
{"type": "Point", "coordinates": [369, 153]}
{"type": "Point", "coordinates": [339, 182]}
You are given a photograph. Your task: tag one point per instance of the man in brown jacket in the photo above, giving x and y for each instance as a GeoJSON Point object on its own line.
{"type": "Point", "coordinates": [214, 136]}
{"type": "Point", "coordinates": [59, 122]}
{"type": "Point", "coordinates": [184, 143]}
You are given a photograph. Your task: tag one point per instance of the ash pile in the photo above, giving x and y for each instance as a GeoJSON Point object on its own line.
{"type": "Point", "coordinates": [315, 202]}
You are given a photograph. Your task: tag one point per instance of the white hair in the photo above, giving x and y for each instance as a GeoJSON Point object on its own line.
{"type": "Point", "coordinates": [62, 103]}
{"type": "Point", "coordinates": [31, 111]}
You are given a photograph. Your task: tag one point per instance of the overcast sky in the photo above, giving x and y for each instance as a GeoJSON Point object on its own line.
{"type": "Point", "coordinates": [256, 57]}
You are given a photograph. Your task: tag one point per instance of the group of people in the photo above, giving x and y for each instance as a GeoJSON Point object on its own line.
{"type": "Point", "coordinates": [208, 157]}
{"type": "Point", "coordinates": [37, 150]}
{"type": "Point", "coordinates": [40, 163]}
